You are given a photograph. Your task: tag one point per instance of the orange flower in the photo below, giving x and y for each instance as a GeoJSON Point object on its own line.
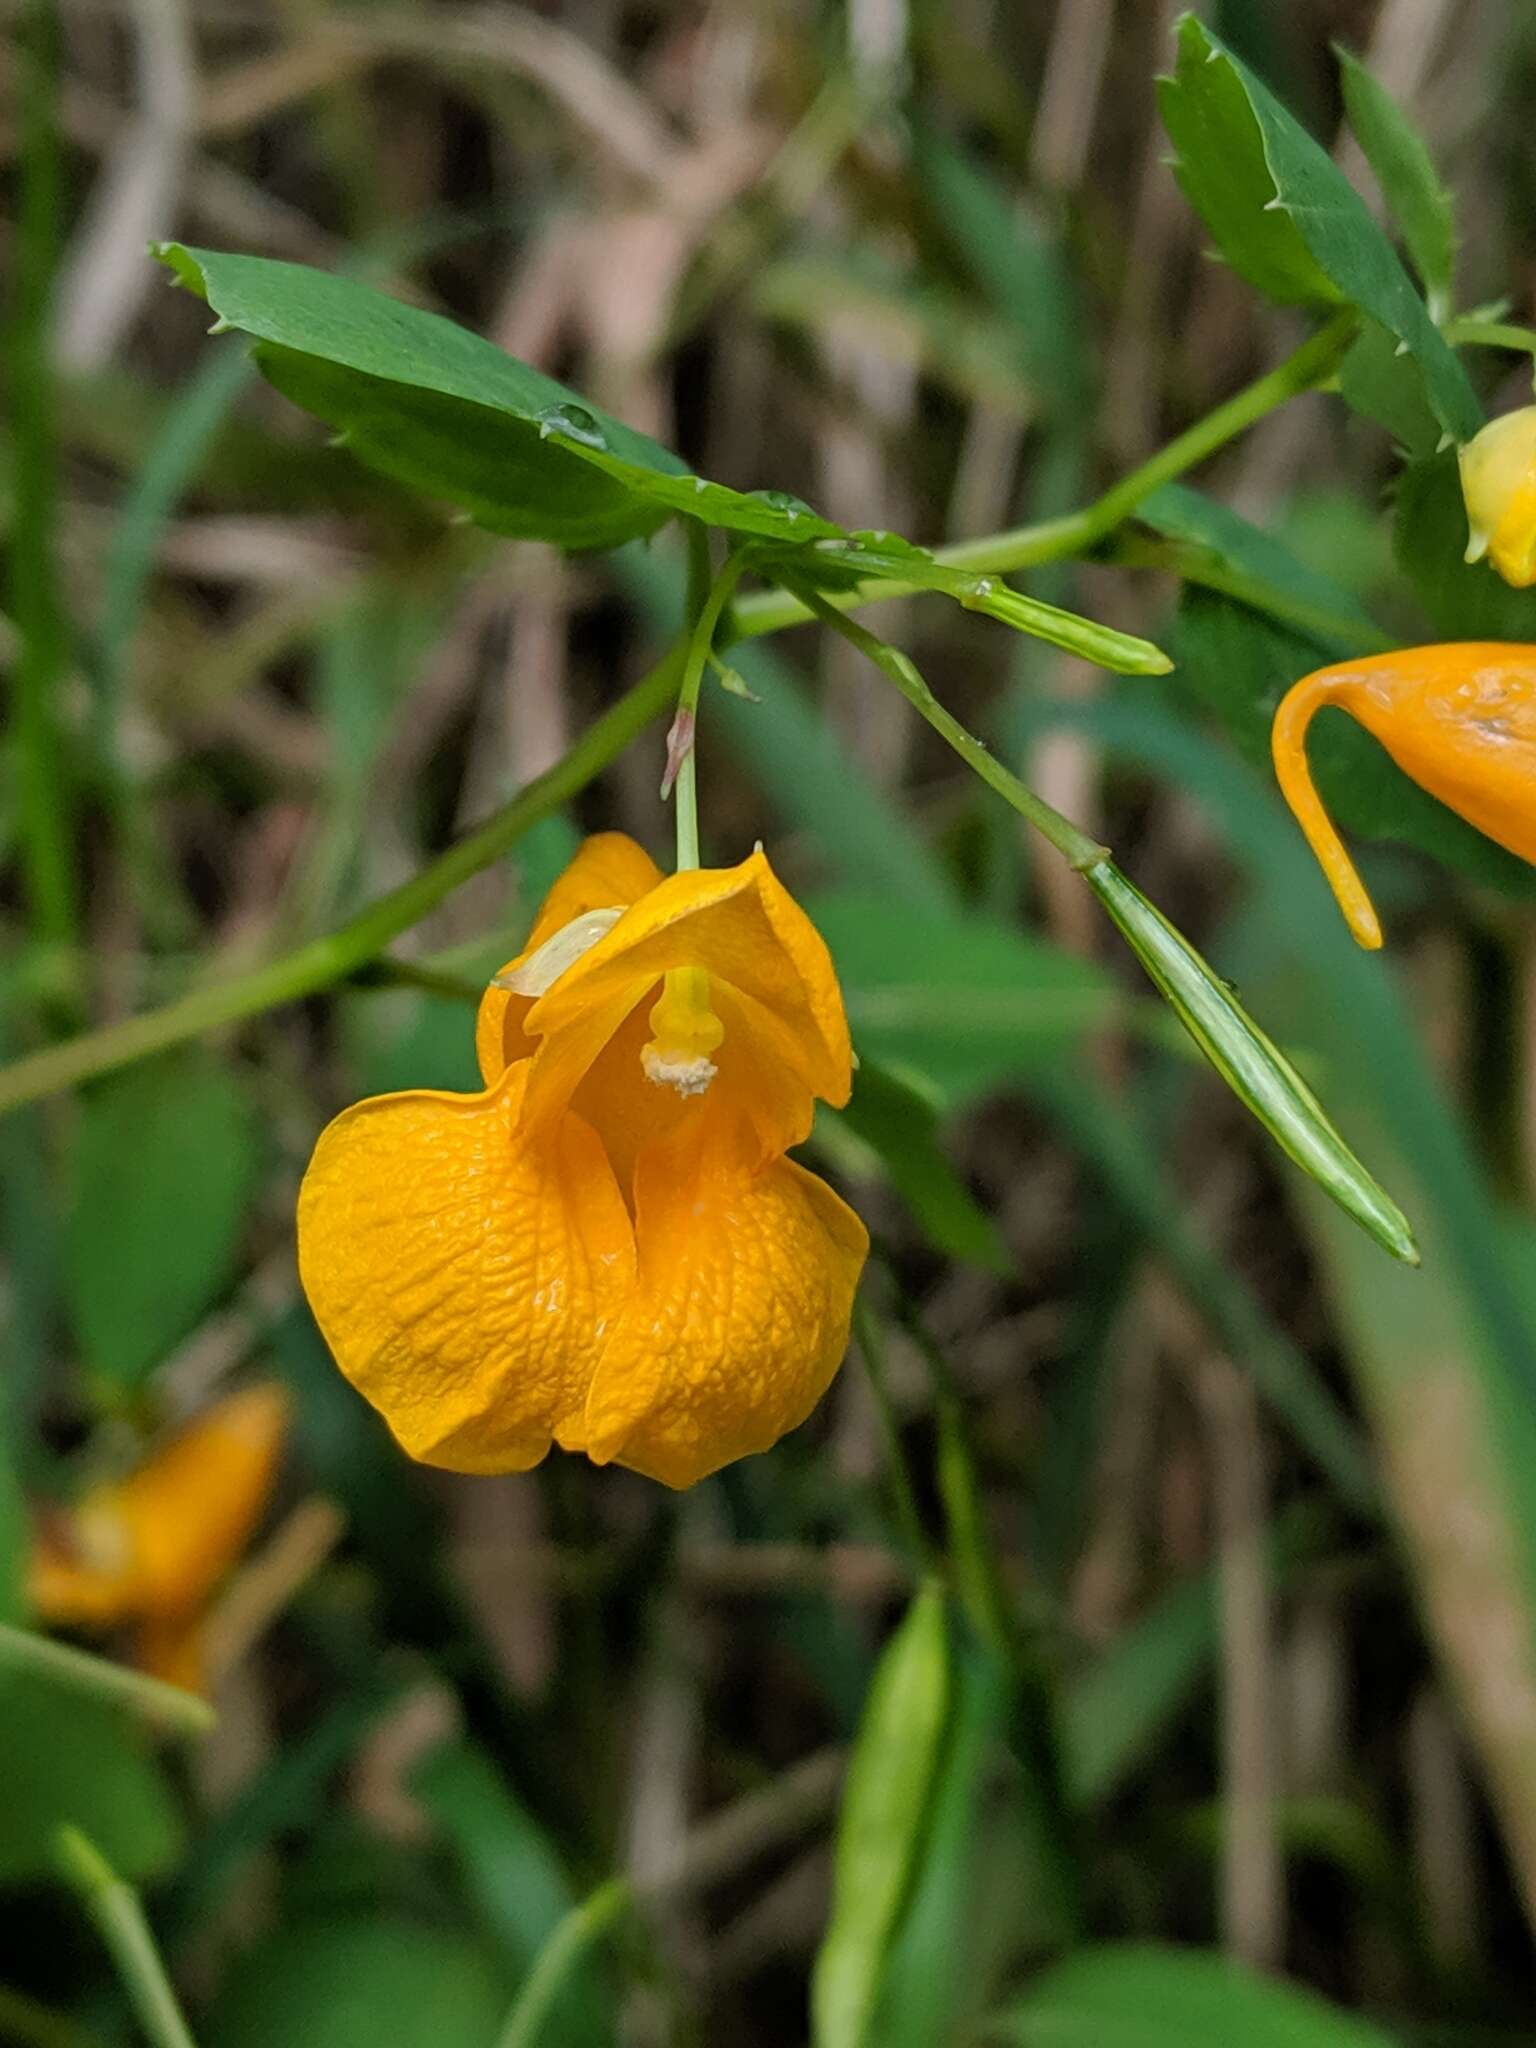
{"type": "Point", "coordinates": [1498, 484]}
{"type": "Point", "coordinates": [149, 1550]}
{"type": "Point", "coordinates": [1460, 720]}
{"type": "Point", "coordinates": [607, 1248]}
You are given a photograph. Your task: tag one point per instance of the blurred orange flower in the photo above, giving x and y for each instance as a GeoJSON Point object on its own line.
{"type": "Point", "coordinates": [148, 1550]}
{"type": "Point", "coordinates": [607, 1248]}
{"type": "Point", "coordinates": [1460, 719]}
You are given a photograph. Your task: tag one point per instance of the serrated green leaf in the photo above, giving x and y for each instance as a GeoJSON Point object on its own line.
{"type": "Point", "coordinates": [1405, 171]}
{"type": "Point", "coordinates": [471, 456]}
{"type": "Point", "coordinates": [1203, 107]}
{"type": "Point", "coordinates": [1382, 384]}
{"type": "Point", "coordinates": [167, 1156]}
{"type": "Point", "coordinates": [446, 412]}
{"type": "Point", "coordinates": [1223, 172]}
{"type": "Point", "coordinates": [451, 414]}
{"type": "Point", "coordinates": [1135, 1995]}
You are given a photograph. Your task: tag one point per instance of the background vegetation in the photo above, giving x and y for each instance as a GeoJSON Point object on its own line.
{"type": "Point", "coordinates": [1223, 1728]}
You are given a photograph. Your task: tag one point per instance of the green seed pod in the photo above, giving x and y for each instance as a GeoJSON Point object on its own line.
{"type": "Point", "coordinates": [1254, 1068]}
{"type": "Point", "coordinates": [884, 1816]}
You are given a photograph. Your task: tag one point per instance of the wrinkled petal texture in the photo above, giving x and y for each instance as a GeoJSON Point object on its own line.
{"type": "Point", "coordinates": [739, 1319]}
{"type": "Point", "coordinates": [775, 991]}
{"type": "Point", "coordinates": [465, 1278]}
{"type": "Point", "coordinates": [611, 868]}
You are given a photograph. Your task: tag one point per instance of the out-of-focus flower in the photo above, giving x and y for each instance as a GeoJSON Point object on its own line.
{"type": "Point", "coordinates": [148, 1551]}
{"type": "Point", "coordinates": [1460, 719]}
{"type": "Point", "coordinates": [1498, 482]}
{"type": "Point", "coordinates": [608, 1248]}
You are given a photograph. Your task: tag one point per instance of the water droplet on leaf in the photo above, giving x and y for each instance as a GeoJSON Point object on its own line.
{"type": "Point", "coordinates": [574, 422]}
{"type": "Point", "coordinates": [783, 501]}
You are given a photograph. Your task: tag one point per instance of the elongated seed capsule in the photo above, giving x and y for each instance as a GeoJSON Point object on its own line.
{"type": "Point", "coordinates": [1459, 719]}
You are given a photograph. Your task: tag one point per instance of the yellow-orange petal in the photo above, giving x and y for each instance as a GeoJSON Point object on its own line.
{"type": "Point", "coordinates": [192, 1506]}
{"type": "Point", "coordinates": [609, 868]}
{"type": "Point", "coordinates": [158, 1542]}
{"type": "Point", "coordinates": [74, 1579]}
{"type": "Point", "coordinates": [755, 942]}
{"type": "Point", "coordinates": [463, 1276]}
{"type": "Point", "coordinates": [1460, 719]}
{"type": "Point", "coordinates": [739, 1317]}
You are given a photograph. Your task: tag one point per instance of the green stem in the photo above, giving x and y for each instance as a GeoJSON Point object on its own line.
{"type": "Point", "coordinates": [42, 658]}
{"type": "Point", "coordinates": [427, 980]}
{"type": "Point", "coordinates": [325, 961]}
{"type": "Point", "coordinates": [579, 1932]}
{"type": "Point", "coordinates": [707, 600]}
{"type": "Point", "coordinates": [1073, 845]}
{"type": "Point", "coordinates": [168, 1705]}
{"type": "Point", "coordinates": [994, 1612]}
{"type": "Point", "coordinates": [871, 1342]}
{"type": "Point", "coordinates": [1025, 547]}
{"type": "Point", "coordinates": [1475, 333]}
{"type": "Point", "coordinates": [118, 1917]}
{"type": "Point", "coordinates": [330, 959]}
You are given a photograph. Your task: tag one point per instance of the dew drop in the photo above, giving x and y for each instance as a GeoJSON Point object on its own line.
{"type": "Point", "coordinates": [783, 501]}
{"type": "Point", "coordinates": [574, 422]}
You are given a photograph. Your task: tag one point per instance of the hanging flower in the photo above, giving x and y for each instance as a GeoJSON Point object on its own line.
{"type": "Point", "coordinates": [1498, 482]}
{"type": "Point", "coordinates": [1459, 719]}
{"type": "Point", "coordinates": [147, 1552]}
{"type": "Point", "coordinates": [607, 1248]}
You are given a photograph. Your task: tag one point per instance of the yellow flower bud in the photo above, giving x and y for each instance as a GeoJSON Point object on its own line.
{"type": "Point", "coordinates": [1498, 482]}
